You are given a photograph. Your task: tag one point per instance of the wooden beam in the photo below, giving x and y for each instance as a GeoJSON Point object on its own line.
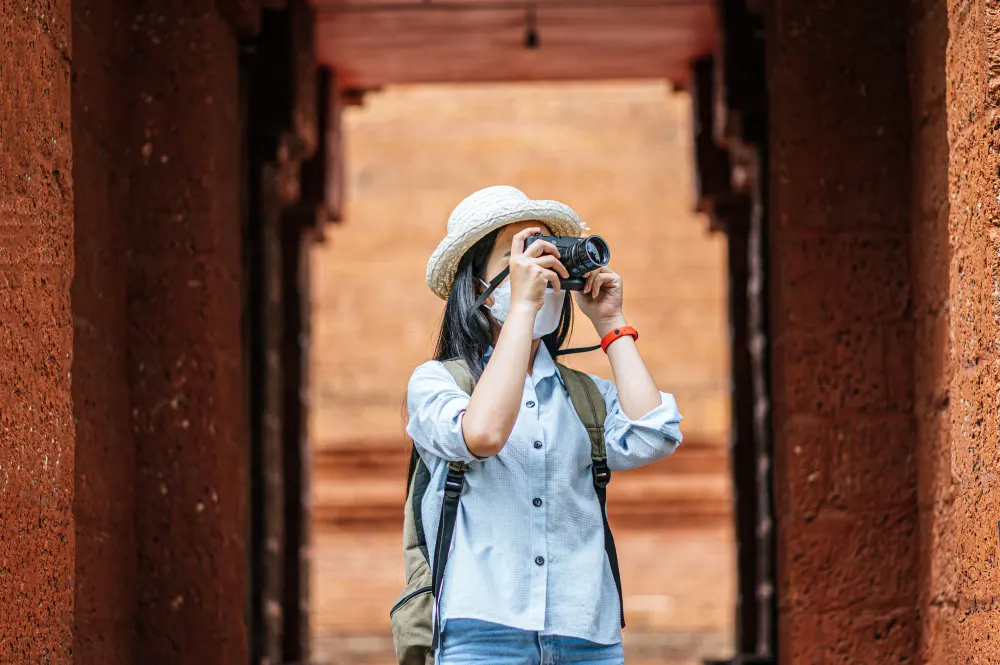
{"type": "Point", "coordinates": [374, 48]}
{"type": "Point", "coordinates": [420, 5]}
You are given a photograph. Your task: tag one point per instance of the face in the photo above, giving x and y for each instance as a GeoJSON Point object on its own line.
{"type": "Point", "coordinates": [500, 256]}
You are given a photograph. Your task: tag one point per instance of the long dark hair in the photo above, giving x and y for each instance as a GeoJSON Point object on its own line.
{"type": "Point", "coordinates": [466, 331]}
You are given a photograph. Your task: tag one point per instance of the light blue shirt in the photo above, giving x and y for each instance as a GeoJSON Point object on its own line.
{"type": "Point", "coordinates": [528, 550]}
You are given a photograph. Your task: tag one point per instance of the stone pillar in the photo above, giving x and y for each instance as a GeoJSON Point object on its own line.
{"type": "Point", "coordinates": [104, 506]}
{"type": "Point", "coordinates": [730, 103]}
{"type": "Point", "coordinates": [842, 332]}
{"type": "Point", "coordinates": [185, 336]}
{"type": "Point", "coordinates": [282, 132]}
{"type": "Point", "coordinates": [37, 437]}
{"type": "Point", "coordinates": [933, 366]}
{"type": "Point", "coordinates": [973, 116]}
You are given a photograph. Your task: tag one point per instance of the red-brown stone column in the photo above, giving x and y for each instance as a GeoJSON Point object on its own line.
{"type": "Point", "coordinates": [843, 338]}
{"type": "Point", "coordinates": [104, 506]}
{"type": "Point", "coordinates": [37, 440]}
{"type": "Point", "coordinates": [973, 103]}
{"type": "Point", "coordinates": [933, 369]}
{"type": "Point", "coordinates": [184, 337]}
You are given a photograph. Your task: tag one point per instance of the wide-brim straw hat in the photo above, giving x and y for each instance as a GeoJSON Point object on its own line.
{"type": "Point", "coordinates": [487, 210]}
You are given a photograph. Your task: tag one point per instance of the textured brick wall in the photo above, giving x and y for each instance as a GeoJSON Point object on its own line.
{"type": "Point", "coordinates": [105, 460]}
{"type": "Point", "coordinates": [973, 96]}
{"type": "Point", "coordinates": [184, 338]}
{"type": "Point", "coordinates": [36, 334]}
{"type": "Point", "coordinates": [929, 255]}
{"type": "Point", "coordinates": [843, 337]}
{"type": "Point", "coordinates": [620, 154]}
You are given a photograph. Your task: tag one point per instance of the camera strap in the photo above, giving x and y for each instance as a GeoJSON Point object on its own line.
{"type": "Point", "coordinates": [579, 349]}
{"type": "Point", "coordinates": [496, 282]}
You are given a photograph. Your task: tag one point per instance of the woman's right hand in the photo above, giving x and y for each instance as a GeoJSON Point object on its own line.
{"type": "Point", "coordinates": [533, 269]}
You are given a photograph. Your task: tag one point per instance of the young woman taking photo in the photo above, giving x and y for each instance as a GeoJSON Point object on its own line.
{"type": "Point", "coordinates": [528, 578]}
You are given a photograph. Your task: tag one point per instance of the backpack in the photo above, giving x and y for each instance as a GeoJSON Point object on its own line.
{"type": "Point", "coordinates": [415, 626]}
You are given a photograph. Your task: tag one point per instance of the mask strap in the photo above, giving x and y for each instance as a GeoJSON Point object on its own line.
{"type": "Point", "coordinates": [491, 287]}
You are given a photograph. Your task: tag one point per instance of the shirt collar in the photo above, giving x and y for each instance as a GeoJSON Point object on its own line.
{"type": "Point", "coordinates": [544, 365]}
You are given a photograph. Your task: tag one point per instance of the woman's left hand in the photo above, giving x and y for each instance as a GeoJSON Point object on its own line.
{"type": "Point", "coordinates": [601, 298]}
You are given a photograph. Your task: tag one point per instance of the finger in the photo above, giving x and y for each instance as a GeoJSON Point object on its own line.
{"type": "Point", "coordinates": [591, 276]}
{"type": "Point", "coordinates": [595, 284]}
{"type": "Point", "coordinates": [553, 279]}
{"type": "Point", "coordinates": [602, 279]}
{"type": "Point", "coordinates": [540, 247]}
{"type": "Point", "coordinates": [517, 242]}
{"type": "Point", "coordinates": [552, 263]}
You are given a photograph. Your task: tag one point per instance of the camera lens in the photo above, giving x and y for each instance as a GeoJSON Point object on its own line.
{"type": "Point", "coordinates": [597, 251]}
{"type": "Point", "coordinates": [585, 255]}
{"type": "Point", "coordinates": [588, 254]}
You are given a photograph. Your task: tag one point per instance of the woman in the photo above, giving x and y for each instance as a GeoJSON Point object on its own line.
{"type": "Point", "coordinates": [528, 579]}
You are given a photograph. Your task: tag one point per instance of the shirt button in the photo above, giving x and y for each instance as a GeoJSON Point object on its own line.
{"type": "Point", "coordinates": [540, 560]}
{"type": "Point", "coordinates": [538, 444]}
{"type": "Point", "coordinates": [529, 404]}
{"type": "Point", "coordinates": [537, 502]}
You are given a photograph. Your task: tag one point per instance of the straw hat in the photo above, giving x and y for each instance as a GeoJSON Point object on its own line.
{"type": "Point", "coordinates": [487, 210]}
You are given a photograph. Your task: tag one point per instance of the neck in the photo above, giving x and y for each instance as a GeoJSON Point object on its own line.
{"type": "Point", "coordinates": [534, 347]}
{"type": "Point", "coordinates": [534, 352]}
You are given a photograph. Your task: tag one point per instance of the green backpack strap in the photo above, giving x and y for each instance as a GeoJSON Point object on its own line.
{"type": "Point", "coordinates": [589, 404]}
{"type": "Point", "coordinates": [590, 408]}
{"type": "Point", "coordinates": [453, 484]}
{"type": "Point", "coordinates": [461, 373]}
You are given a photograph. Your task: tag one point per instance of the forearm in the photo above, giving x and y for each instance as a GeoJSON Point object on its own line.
{"type": "Point", "coordinates": [637, 391]}
{"type": "Point", "coordinates": [496, 401]}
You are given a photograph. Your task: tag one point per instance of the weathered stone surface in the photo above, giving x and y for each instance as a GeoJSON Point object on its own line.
{"type": "Point", "coordinates": [964, 506]}
{"type": "Point", "coordinates": [842, 333]}
{"type": "Point", "coordinates": [185, 338]}
{"type": "Point", "coordinates": [37, 439]}
{"type": "Point", "coordinates": [106, 561]}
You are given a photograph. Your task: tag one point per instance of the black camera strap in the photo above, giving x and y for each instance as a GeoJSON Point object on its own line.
{"type": "Point", "coordinates": [579, 349]}
{"type": "Point", "coordinates": [496, 282]}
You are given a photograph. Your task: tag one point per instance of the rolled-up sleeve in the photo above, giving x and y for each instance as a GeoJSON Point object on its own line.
{"type": "Point", "coordinates": [633, 443]}
{"type": "Point", "coordinates": [436, 405]}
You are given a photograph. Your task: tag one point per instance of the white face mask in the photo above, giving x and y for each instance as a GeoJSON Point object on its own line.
{"type": "Point", "coordinates": [547, 318]}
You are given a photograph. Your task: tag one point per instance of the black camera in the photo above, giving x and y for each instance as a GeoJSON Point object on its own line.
{"type": "Point", "coordinates": [578, 255]}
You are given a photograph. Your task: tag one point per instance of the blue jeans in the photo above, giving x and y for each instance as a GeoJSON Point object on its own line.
{"type": "Point", "coordinates": [474, 642]}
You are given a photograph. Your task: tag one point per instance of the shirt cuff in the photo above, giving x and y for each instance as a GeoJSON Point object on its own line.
{"type": "Point", "coordinates": [664, 420]}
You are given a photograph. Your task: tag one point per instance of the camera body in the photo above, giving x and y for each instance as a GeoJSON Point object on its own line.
{"type": "Point", "coordinates": [578, 255]}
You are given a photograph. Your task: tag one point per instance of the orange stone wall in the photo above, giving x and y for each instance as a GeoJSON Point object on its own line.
{"type": "Point", "coordinates": [621, 154]}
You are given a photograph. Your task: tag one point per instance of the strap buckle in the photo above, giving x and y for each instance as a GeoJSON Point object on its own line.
{"type": "Point", "coordinates": [601, 472]}
{"type": "Point", "coordinates": [453, 483]}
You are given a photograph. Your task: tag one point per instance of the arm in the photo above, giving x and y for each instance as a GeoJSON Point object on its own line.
{"type": "Point", "coordinates": [637, 392]}
{"type": "Point", "coordinates": [496, 400]}
{"type": "Point", "coordinates": [601, 301]}
{"type": "Point", "coordinates": [642, 424]}
{"type": "Point", "coordinates": [634, 442]}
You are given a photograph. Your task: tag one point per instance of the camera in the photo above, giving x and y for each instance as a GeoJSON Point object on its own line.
{"type": "Point", "coordinates": [578, 255]}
